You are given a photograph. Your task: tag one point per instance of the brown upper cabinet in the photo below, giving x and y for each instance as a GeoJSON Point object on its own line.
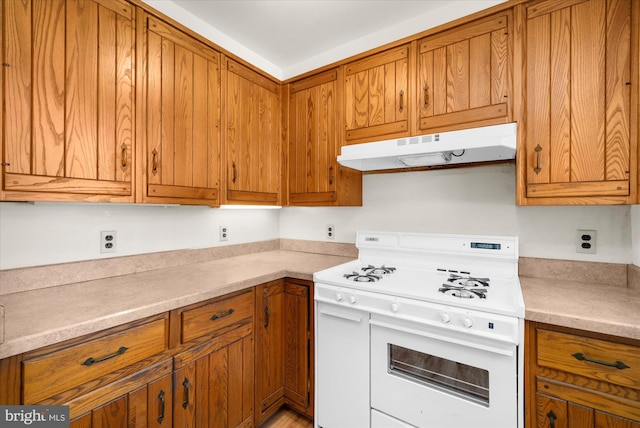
{"type": "Point", "coordinates": [252, 135]}
{"type": "Point", "coordinates": [315, 177]}
{"type": "Point", "coordinates": [464, 76]}
{"type": "Point", "coordinates": [68, 101]}
{"type": "Point", "coordinates": [179, 93]}
{"type": "Point", "coordinates": [376, 96]}
{"type": "Point", "coordinates": [578, 137]}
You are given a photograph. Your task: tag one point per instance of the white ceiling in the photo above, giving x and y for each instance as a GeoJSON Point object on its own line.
{"type": "Point", "coordinates": [290, 37]}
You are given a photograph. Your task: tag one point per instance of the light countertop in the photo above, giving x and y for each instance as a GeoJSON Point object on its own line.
{"type": "Point", "coordinates": [41, 317]}
{"type": "Point", "coordinates": [38, 318]}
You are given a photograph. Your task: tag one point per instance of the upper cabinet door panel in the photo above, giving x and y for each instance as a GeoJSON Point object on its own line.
{"type": "Point", "coordinates": [578, 99]}
{"type": "Point", "coordinates": [376, 95]}
{"type": "Point", "coordinates": [464, 75]}
{"type": "Point", "coordinates": [252, 125]}
{"type": "Point", "coordinates": [68, 101]}
{"type": "Point", "coordinates": [182, 117]}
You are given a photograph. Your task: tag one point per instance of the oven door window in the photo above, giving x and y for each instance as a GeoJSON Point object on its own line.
{"type": "Point", "coordinates": [461, 380]}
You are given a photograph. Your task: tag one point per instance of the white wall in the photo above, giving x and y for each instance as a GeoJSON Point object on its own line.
{"type": "Point", "coordinates": [473, 200]}
{"type": "Point", "coordinates": [47, 233]}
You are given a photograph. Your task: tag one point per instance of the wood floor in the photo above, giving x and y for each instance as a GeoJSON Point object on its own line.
{"type": "Point", "coordinates": [287, 418]}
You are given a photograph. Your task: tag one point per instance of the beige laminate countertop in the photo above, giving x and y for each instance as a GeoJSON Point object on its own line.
{"type": "Point", "coordinates": [38, 318]}
{"type": "Point", "coordinates": [607, 309]}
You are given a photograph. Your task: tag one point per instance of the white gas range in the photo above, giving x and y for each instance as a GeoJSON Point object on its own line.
{"type": "Point", "coordinates": [422, 330]}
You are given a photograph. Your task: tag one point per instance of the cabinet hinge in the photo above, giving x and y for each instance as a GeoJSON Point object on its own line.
{"type": "Point", "coordinates": [5, 164]}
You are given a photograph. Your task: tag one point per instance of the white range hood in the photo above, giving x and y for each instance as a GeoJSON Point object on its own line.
{"type": "Point", "coordinates": [489, 143]}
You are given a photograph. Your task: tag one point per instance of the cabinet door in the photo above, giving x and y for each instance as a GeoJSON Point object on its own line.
{"type": "Point", "coordinates": [297, 355]}
{"type": "Point", "coordinates": [580, 72]}
{"type": "Point", "coordinates": [269, 348]}
{"type": "Point", "coordinates": [146, 407]}
{"type": "Point", "coordinates": [315, 177]}
{"type": "Point", "coordinates": [68, 100]}
{"type": "Point", "coordinates": [376, 97]}
{"type": "Point", "coordinates": [181, 94]}
{"type": "Point", "coordinates": [252, 126]}
{"type": "Point", "coordinates": [464, 76]}
{"type": "Point", "coordinates": [555, 413]}
{"type": "Point", "coordinates": [214, 382]}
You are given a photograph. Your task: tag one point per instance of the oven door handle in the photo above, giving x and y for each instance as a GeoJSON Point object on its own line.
{"type": "Point", "coordinates": [469, 344]}
{"type": "Point", "coordinates": [348, 317]}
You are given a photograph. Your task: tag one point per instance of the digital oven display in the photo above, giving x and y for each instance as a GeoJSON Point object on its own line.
{"type": "Point", "coordinates": [485, 246]}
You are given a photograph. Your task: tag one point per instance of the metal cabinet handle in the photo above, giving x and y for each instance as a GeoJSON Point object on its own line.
{"type": "Point", "coordinates": [266, 316]}
{"type": "Point", "coordinates": [123, 156]}
{"type": "Point", "coordinates": [233, 167]}
{"type": "Point", "coordinates": [401, 101]}
{"type": "Point", "coordinates": [331, 176]}
{"type": "Point", "coordinates": [92, 360]}
{"type": "Point", "coordinates": [537, 169]}
{"type": "Point", "coordinates": [618, 364]}
{"type": "Point", "coordinates": [161, 398]}
{"type": "Point", "coordinates": [185, 383]}
{"type": "Point", "coordinates": [154, 162]}
{"type": "Point", "coordinates": [426, 96]}
{"type": "Point", "coordinates": [222, 315]}
{"type": "Point", "coordinates": [552, 419]}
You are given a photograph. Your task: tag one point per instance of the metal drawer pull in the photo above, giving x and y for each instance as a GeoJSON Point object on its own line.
{"type": "Point", "coordinates": [123, 157]}
{"type": "Point", "coordinates": [222, 315]}
{"type": "Point", "coordinates": [154, 162]}
{"type": "Point", "coordinates": [92, 360]}
{"type": "Point", "coordinates": [266, 316]}
{"type": "Point", "coordinates": [161, 398]}
{"type": "Point", "coordinates": [618, 364]}
{"type": "Point", "coordinates": [552, 419]}
{"type": "Point", "coordinates": [401, 101]}
{"type": "Point", "coordinates": [537, 169]}
{"type": "Point", "coordinates": [233, 165]}
{"type": "Point", "coordinates": [185, 383]}
{"type": "Point", "coordinates": [426, 96]}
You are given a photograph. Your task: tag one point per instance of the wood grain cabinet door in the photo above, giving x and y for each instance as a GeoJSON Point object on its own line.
{"type": "Point", "coordinates": [181, 102]}
{"type": "Point", "coordinates": [315, 176]}
{"type": "Point", "coordinates": [376, 98]}
{"type": "Point", "coordinates": [270, 317]}
{"type": "Point", "coordinates": [68, 104]}
{"type": "Point", "coordinates": [464, 76]}
{"type": "Point", "coordinates": [581, 102]}
{"type": "Point", "coordinates": [253, 139]}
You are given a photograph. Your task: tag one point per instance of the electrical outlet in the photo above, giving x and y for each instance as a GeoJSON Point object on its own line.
{"type": "Point", "coordinates": [585, 241]}
{"type": "Point", "coordinates": [224, 233]}
{"type": "Point", "coordinates": [108, 241]}
{"type": "Point", "coordinates": [331, 231]}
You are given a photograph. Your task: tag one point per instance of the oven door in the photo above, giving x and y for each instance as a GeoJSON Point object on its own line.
{"type": "Point", "coordinates": [429, 376]}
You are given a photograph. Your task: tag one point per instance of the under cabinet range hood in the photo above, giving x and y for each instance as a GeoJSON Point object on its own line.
{"type": "Point", "coordinates": [489, 143]}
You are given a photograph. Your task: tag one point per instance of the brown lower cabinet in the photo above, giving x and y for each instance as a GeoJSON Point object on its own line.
{"type": "Point", "coordinates": [231, 361]}
{"type": "Point", "coordinates": [284, 352]}
{"type": "Point", "coordinates": [579, 379]}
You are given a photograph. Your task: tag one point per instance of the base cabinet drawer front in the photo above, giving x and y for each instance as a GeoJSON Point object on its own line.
{"type": "Point", "coordinates": [580, 379]}
{"type": "Point", "coordinates": [61, 370]}
{"type": "Point", "coordinates": [615, 363]}
{"type": "Point", "coordinates": [206, 319]}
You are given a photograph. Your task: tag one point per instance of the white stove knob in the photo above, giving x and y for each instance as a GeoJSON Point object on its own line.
{"type": "Point", "coordinates": [352, 299]}
{"type": "Point", "coordinates": [395, 307]}
{"type": "Point", "coordinates": [339, 297]}
{"type": "Point", "coordinates": [467, 322]}
{"type": "Point", "coordinates": [445, 318]}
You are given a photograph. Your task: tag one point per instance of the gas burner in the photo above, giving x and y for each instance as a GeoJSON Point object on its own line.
{"type": "Point", "coordinates": [381, 270]}
{"type": "Point", "coordinates": [463, 292]}
{"type": "Point", "coordinates": [362, 277]}
{"type": "Point", "coordinates": [467, 281]}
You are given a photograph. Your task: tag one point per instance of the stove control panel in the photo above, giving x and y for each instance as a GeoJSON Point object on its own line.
{"type": "Point", "coordinates": [431, 315]}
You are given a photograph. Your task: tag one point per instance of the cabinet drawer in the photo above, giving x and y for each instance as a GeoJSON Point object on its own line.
{"type": "Point", "coordinates": [59, 371]}
{"type": "Point", "coordinates": [603, 360]}
{"type": "Point", "coordinates": [206, 319]}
